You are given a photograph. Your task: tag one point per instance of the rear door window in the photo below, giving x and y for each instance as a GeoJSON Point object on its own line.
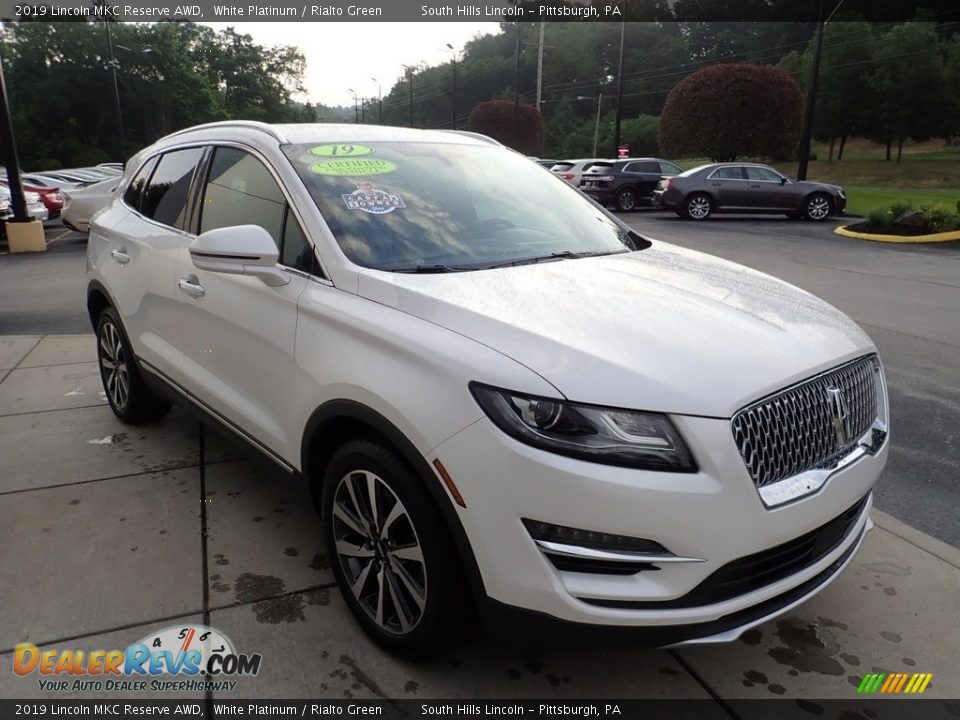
{"type": "Point", "coordinates": [134, 191]}
{"type": "Point", "coordinates": [729, 173]}
{"type": "Point", "coordinates": [643, 167]}
{"type": "Point", "coordinates": [165, 199]}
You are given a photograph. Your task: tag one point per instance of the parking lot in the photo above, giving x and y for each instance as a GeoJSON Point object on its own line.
{"type": "Point", "coordinates": [108, 532]}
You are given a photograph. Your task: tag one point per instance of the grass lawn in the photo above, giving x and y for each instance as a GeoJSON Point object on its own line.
{"type": "Point", "coordinates": [861, 200]}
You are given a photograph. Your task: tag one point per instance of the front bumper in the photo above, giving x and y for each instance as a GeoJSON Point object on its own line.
{"type": "Point", "coordinates": [712, 518]}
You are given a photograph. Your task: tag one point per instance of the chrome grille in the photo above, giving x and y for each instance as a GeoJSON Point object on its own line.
{"type": "Point", "coordinates": [808, 425]}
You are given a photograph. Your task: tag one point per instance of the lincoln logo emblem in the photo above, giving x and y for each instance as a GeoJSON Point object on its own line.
{"type": "Point", "coordinates": [840, 412]}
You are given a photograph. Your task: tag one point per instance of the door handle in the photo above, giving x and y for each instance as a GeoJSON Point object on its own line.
{"type": "Point", "coordinates": [191, 286]}
{"type": "Point", "coordinates": [715, 184]}
{"type": "Point", "coordinates": [120, 256]}
{"type": "Point", "coordinates": [755, 185]}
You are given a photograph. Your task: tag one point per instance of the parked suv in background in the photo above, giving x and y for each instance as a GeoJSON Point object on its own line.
{"type": "Point", "coordinates": [626, 184]}
{"type": "Point", "coordinates": [747, 187]}
{"type": "Point", "coordinates": [500, 396]}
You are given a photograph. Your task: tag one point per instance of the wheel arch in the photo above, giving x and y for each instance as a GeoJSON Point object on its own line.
{"type": "Point", "coordinates": [338, 421]}
{"type": "Point", "coordinates": [98, 299]}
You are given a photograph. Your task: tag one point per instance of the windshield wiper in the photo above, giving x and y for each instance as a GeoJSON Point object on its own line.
{"type": "Point", "coordinates": [427, 269]}
{"type": "Point", "coordinates": [560, 255]}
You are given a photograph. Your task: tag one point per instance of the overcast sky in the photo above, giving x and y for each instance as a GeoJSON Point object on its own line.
{"type": "Point", "coordinates": [343, 55]}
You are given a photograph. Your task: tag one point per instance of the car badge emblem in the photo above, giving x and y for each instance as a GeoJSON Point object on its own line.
{"type": "Point", "coordinates": [839, 412]}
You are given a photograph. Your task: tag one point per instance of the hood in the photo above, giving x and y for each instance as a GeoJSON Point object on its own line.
{"type": "Point", "coordinates": [664, 329]}
{"type": "Point", "coordinates": [811, 185]}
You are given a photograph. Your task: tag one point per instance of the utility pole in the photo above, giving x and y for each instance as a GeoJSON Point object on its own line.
{"type": "Point", "coordinates": [116, 94]}
{"type": "Point", "coordinates": [616, 125]}
{"type": "Point", "coordinates": [805, 137]}
{"type": "Point", "coordinates": [543, 25]}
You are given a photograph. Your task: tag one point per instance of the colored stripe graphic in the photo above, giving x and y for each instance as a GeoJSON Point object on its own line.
{"type": "Point", "coordinates": [894, 683]}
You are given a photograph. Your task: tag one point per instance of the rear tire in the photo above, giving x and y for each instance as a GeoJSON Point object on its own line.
{"type": "Point", "coordinates": [393, 558]}
{"type": "Point", "coordinates": [697, 206]}
{"type": "Point", "coordinates": [627, 200]}
{"type": "Point", "coordinates": [817, 207]}
{"type": "Point", "coordinates": [129, 397]}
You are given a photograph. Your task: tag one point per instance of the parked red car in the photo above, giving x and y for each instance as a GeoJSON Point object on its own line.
{"type": "Point", "coordinates": [49, 196]}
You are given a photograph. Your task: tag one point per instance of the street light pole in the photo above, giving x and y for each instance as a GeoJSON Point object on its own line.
{"type": "Point", "coordinates": [516, 90]}
{"type": "Point", "coordinates": [116, 94]}
{"type": "Point", "coordinates": [356, 107]}
{"type": "Point", "coordinates": [10, 160]}
{"type": "Point", "coordinates": [453, 101]}
{"type": "Point", "coordinates": [410, 89]}
{"type": "Point", "coordinates": [543, 25]}
{"type": "Point", "coordinates": [616, 124]}
{"type": "Point", "coordinates": [379, 101]}
{"type": "Point", "coordinates": [596, 127]}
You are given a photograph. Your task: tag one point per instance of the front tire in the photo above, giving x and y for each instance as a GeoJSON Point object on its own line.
{"type": "Point", "coordinates": [129, 397]}
{"type": "Point", "coordinates": [627, 200]}
{"type": "Point", "coordinates": [817, 207]}
{"type": "Point", "coordinates": [697, 206]}
{"type": "Point", "coordinates": [391, 553]}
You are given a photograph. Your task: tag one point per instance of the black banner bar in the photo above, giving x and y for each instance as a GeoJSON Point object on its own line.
{"type": "Point", "coordinates": [552, 709]}
{"type": "Point", "coordinates": [239, 11]}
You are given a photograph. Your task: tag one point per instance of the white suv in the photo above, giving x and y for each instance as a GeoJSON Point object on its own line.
{"type": "Point", "coordinates": [501, 396]}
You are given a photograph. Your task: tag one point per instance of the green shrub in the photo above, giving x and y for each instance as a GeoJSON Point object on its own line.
{"type": "Point", "coordinates": [899, 208]}
{"type": "Point", "coordinates": [878, 216]}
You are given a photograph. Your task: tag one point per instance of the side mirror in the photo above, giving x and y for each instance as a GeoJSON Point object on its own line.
{"type": "Point", "coordinates": [783, 181]}
{"type": "Point", "coordinates": [239, 250]}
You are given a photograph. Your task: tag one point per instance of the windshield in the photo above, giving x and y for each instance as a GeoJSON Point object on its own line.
{"type": "Point", "coordinates": [437, 207]}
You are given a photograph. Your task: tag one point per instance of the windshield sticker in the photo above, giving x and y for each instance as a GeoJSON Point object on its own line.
{"type": "Point", "coordinates": [353, 167]}
{"type": "Point", "coordinates": [340, 150]}
{"type": "Point", "coordinates": [372, 200]}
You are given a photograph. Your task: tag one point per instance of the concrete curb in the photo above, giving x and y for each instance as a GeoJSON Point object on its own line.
{"type": "Point", "coordinates": [941, 550]}
{"type": "Point", "coordinates": [903, 239]}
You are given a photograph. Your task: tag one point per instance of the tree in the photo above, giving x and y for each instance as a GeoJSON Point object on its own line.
{"type": "Point", "coordinates": [522, 131]}
{"type": "Point", "coordinates": [906, 86]}
{"type": "Point", "coordinates": [843, 98]}
{"type": "Point", "coordinates": [729, 111]}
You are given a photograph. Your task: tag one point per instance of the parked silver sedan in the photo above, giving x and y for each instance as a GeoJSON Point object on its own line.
{"type": "Point", "coordinates": [747, 188]}
{"type": "Point", "coordinates": [572, 170]}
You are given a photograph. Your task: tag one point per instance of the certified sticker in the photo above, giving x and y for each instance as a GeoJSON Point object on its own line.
{"type": "Point", "coordinates": [340, 150]}
{"type": "Point", "coordinates": [372, 200]}
{"type": "Point", "coordinates": [350, 167]}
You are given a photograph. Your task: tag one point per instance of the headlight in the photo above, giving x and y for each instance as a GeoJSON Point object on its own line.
{"type": "Point", "coordinates": [602, 435]}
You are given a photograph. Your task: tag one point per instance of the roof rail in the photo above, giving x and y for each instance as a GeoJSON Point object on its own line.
{"type": "Point", "coordinates": [478, 136]}
{"type": "Point", "coordinates": [245, 124]}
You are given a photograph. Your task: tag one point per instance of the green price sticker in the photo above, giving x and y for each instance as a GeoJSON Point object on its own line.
{"type": "Point", "coordinates": [352, 168]}
{"type": "Point", "coordinates": [340, 150]}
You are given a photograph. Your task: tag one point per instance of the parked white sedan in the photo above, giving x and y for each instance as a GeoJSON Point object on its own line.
{"type": "Point", "coordinates": [81, 204]}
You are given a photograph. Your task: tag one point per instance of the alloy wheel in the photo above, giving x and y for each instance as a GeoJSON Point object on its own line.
{"type": "Point", "coordinates": [627, 200]}
{"type": "Point", "coordinates": [113, 366]}
{"type": "Point", "coordinates": [379, 552]}
{"type": "Point", "coordinates": [818, 207]}
{"type": "Point", "coordinates": [698, 207]}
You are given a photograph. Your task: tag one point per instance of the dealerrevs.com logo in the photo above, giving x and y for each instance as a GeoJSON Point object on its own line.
{"type": "Point", "coordinates": [182, 658]}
